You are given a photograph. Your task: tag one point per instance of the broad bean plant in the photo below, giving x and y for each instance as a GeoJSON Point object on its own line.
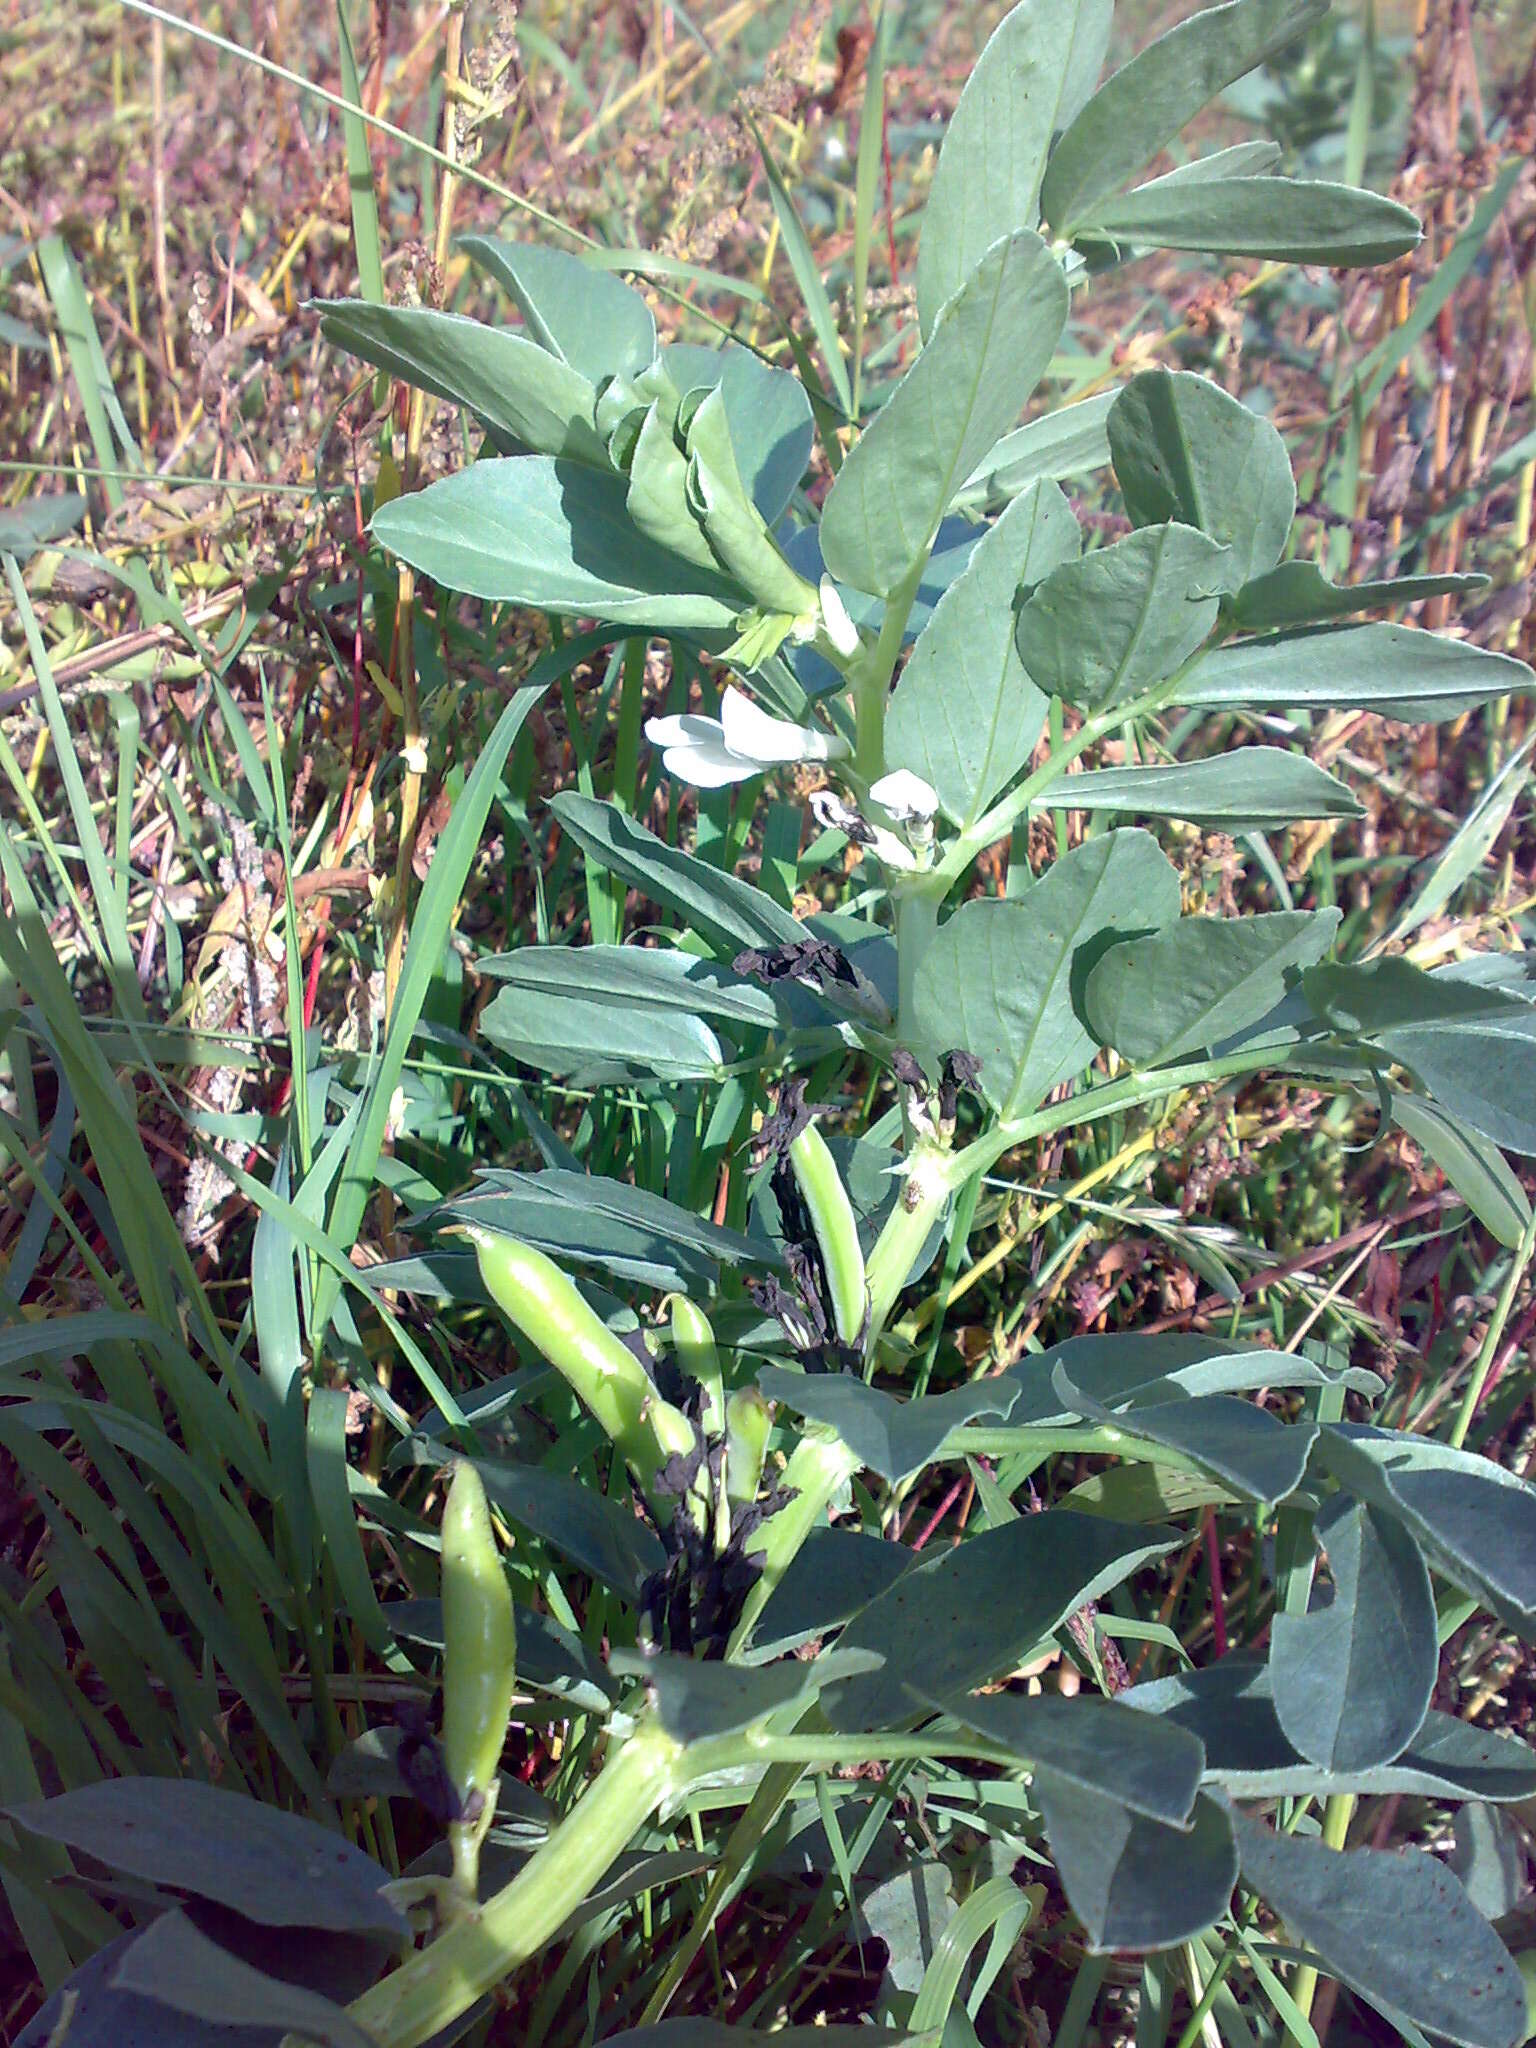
{"type": "Point", "coordinates": [924, 661]}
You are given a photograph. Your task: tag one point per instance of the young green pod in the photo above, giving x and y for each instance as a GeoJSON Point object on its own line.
{"type": "Point", "coordinates": [837, 1230]}
{"type": "Point", "coordinates": [748, 1421]}
{"type": "Point", "coordinates": [544, 1304]}
{"type": "Point", "coordinates": [693, 1345]}
{"type": "Point", "coordinates": [479, 1648]}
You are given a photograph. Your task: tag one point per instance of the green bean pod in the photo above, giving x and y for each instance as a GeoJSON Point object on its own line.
{"type": "Point", "coordinates": [545, 1305]}
{"type": "Point", "coordinates": [693, 1345]}
{"type": "Point", "coordinates": [837, 1230]}
{"type": "Point", "coordinates": [479, 1664]}
{"type": "Point", "coordinates": [748, 1421]}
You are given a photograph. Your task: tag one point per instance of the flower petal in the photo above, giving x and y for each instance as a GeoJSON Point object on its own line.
{"type": "Point", "coordinates": [902, 795]}
{"type": "Point", "coordinates": [750, 730]}
{"type": "Point", "coordinates": [708, 764]}
{"type": "Point", "coordinates": [688, 731]}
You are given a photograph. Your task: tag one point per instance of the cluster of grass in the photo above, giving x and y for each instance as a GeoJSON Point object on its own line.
{"type": "Point", "coordinates": [268, 807]}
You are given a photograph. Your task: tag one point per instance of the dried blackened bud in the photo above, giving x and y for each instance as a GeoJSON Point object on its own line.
{"type": "Point", "coordinates": [790, 1117]}
{"type": "Point", "coordinates": [419, 1760]}
{"type": "Point", "coordinates": [958, 1072]}
{"type": "Point", "coordinates": [908, 1070]}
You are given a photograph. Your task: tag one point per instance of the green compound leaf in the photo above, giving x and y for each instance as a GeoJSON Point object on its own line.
{"type": "Point", "coordinates": [1252, 789]}
{"type": "Point", "coordinates": [1183, 450]}
{"type": "Point", "coordinates": [1129, 1367]}
{"type": "Point", "coordinates": [1397, 1928]}
{"type": "Point", "coordinates": [587, 317]}
{"type": "Point", "coordinates": [1352, 1679]}
{"type": "Point", "coordinates": [980, 1607]}
{"type": "Point", "coordinates": [965, 716]}
{"type": "Point", "coordinates": [1201, 980]}
{"type": "Point", "coordinates": [1137, 1883]}
{"type": "Point", "coordinates": [1101, 629]}
{"type": "Point", "coordinates": [1148, 101]}
{"type": "Point", "coordinates": [988, 350]}
{"type": "Point", "coordinates": [1290, 220]}
{"type": "Point", "coordinates": [1394, 670]}
{"type": "Point", "coordinates": [531, 530]}
{"type": "Point", "coordinates": [1040, 65]}
{"type": "Point", "coordinates": [1005, 980]}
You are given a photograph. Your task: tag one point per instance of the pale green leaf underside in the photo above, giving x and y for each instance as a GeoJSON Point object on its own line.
{"type": "Point", "coordinates": [988, 350]}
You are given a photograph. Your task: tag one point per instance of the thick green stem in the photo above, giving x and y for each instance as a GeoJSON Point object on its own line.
{"type": "Point", "coordinates": [871, 676]}
{"type": "Point", "coordinates": [819, 1466]}
{"type": "Point", "coordinates": [917, 923]}
{"type": "Point", "coordinates": [477, 1952]}
{"type": "Point", "coordinates": [924, 1191]}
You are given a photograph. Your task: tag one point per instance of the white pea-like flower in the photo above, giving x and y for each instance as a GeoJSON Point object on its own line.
{"type": "Point", "coordinates": [905, 797]}
{"type": "Point", "coordinates": [742, 742]}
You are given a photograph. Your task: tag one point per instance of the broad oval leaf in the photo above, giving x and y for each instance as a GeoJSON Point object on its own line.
{"type": "Point", "coordinates": [1149, 99]}
{"type": "Point", "coordinates": [1066, 441]}
{"type": "Point", "coordinates": [38, 520]}
{"type": "Point", "coordinates": [270, 1866]}
{"type": "Point", "coordinates": [894, 1438]}
{"type": "Point", "coordinates": [1395, 670]}
{"type": "Point", "coordinates": [1397, 1928]}
{"type": "Point", "coordinates": [1299, 594]}
{"type": "Point", "coordinates": [599, 1535]}
{"type": "Point", "coordinates": [833, 1574]}
{"type": "Point", "coordinates": [694, 1698]}
{"type": "Point", "coordinates": [177, 1965]}
{"type": "Point", "coordinates": [965, 716]}
{"type": "Point", "coordinates": [1201, 980]}
{"type": "Point", "coordinates": [1230, 1707]}
{"type": "Point", "coordinates": [1474, 1166]}
{"type": "Point", "coordinates": [769, 414]}
{"type": "Point", "coordinates": [1005, 980]}
{"type": "Point", "coordinates": [1290, 220]}
{"type": "Point", "coordinates": [592, 1221]}
{"type": "Point", "coordinates": [655, 978]}
{"type": "Point", "coordinates": [988, 350]}
{"type": "Point", "coordinates": [730, 912]}
{"type": "Point", "coordinates": [1095, 1744]}
{"type": "Point", "coordinates": [1470, 1045]}
{"type": "Point", "coordinates": [1250, 789]}
{"type": "Point", "coordinates": [591, 1040]}
{"type": "Point", "coordinates": [1251, 1451]}
{"type": "Point", "coordinates": [1130, 1367]}
{"type": "Point", "coordinates": [1352, 1680]}
{"type": "Point", "coordinates": [1038, 67]}
{"type": "Point", "coordinates": [1129, 615]}
{"type": "Point", "coordinates": [97, 2013]}
{"type": "Point", "coordinates": [531, 530]}
{"type": "Point", "coordinates": [1184, 450]}
{"type": "Point", "coordinates": [978, 1608]}
{"type": "Point", "coordinates": [1476, 1522]}
{"type": "Point", "coordinates": [1136, 1883]}
{"type": "Point", "coordinates": [586, 316]}
{"type": "Point", "coordinates": [530, 400]}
